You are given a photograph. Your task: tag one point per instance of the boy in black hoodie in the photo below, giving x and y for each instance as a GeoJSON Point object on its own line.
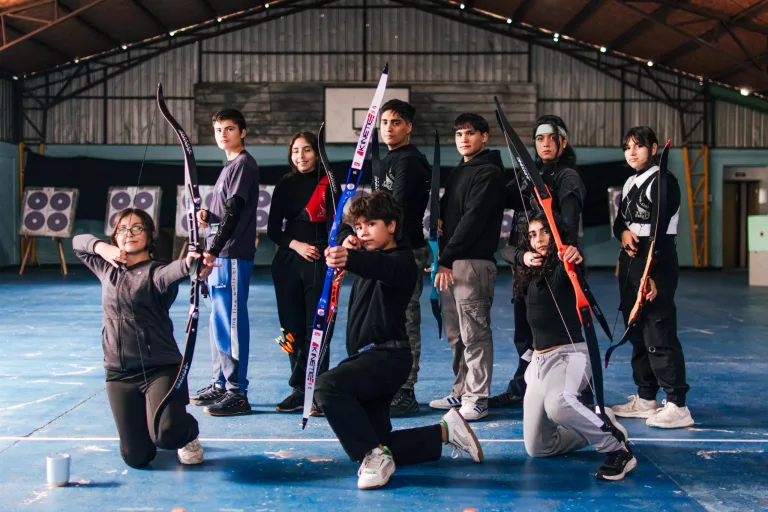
{"type": "Point", "coordinates": [355, 396]}
{"type": "Point", "coordinates": [407, 174]}
{"type": "Point", "coordinates": [471, 211]}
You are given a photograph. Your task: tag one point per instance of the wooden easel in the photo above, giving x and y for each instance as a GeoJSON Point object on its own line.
{"type": "Point", "coordinates": [31, 243]}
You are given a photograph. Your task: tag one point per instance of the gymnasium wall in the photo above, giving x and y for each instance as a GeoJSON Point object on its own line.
{"type": "Point", "coordinates": [600, 248]}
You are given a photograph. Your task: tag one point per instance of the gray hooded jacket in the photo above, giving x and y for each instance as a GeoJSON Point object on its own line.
{"type": "Point", "coordinates": [137, 331]}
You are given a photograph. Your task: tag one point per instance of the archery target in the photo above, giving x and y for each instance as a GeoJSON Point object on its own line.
{"type": "Point", "coordinates": [425, 224]}
{"type": "Point", "coordinates": [614, 205]}
{"type": "Point", "coordinates": [206, 194]}
{"type": "Point", "coordinates": [262, 209]}
{"type": "Point", "coordinates": [48, 211]}
{"type": "Point", "coordinates": [143, 198]}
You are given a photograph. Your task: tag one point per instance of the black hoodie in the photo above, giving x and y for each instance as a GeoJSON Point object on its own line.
{"type": "Point", "coordinates": [380, 294]}
{"type": "Point", "coordinates": [407, 174]}
{"type": "Point", "coordinates": [472, 209]}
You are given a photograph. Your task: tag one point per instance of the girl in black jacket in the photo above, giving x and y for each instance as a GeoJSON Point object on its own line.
{"type": "Point", "coordinates": [141, 357]}
{"type": "Point", "coordinates": [300, 218]}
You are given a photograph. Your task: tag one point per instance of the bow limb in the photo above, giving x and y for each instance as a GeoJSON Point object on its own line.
{"type": "Point", "coordinates": [652, 257]}
{"type": "Point", "coordinates": [193, 204]}
{"type": "Point", "coordinates": [434, 219]}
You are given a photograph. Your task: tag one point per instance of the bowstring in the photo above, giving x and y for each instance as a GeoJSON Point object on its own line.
{"type": "Point", "coordinates": [133, 313]}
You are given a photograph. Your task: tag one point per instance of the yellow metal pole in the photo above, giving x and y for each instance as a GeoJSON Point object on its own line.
{"type": "Point", "coordinates": [692, 219]}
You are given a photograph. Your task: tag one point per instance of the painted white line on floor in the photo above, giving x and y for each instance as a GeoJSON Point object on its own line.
{"type": "Point", "coordinates": [19, 406]}
{"type": "Point", "coordinates": [328, 440]}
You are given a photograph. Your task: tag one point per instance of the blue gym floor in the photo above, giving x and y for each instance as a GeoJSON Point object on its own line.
{"type": "Point", "coordinates": [53, 400]}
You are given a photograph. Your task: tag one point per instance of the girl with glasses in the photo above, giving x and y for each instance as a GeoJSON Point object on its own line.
{"type": "Point", "coordinates": [141, 357]}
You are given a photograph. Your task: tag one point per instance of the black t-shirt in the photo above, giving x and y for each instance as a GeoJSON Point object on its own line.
{"type": "Point", "coordinates": [239, 177]}
{"type": "Point", "coordinates": [547, 324]}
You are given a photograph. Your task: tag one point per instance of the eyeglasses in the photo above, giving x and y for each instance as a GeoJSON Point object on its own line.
{"type": "Point", "coordinates": [135, 230]}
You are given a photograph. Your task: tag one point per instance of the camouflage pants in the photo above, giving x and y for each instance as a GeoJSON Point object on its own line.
{"type": "Point", "coordinates": [413, 316]}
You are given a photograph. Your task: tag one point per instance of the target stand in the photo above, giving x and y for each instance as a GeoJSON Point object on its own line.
{"type": "Point", "coordinates": [47, 212]}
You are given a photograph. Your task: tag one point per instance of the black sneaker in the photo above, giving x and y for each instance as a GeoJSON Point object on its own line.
{"type": "Point", "coordinates": [403, 403]}
{"type": "Point", "coordinates": [505, 399]}
{"type": "Point", "coordinates": [616, 465]}
{"type": "Point", "coordinates": [229, 405]}
{"type": "Point", "coordinates": [316, 410]}
{"type": "Point", "coordinates": [210, 394]}
{"type": "Point", "coordinates": [292, 403]}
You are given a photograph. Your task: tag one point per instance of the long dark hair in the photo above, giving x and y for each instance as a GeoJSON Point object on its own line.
{"type": "Point", "coordinates": [146, 220]}
{"type": "Point", "coordinates": [525, 275]}
{"type": "Point", "coordinates": [644, 136]}
{"type": "Point", "coordinates": [568, 158]}
{"type": "Point", "coordinates": [312, 139]}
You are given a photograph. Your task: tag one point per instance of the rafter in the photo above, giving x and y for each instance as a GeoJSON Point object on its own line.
{"type": "Point", "coordinates": [582, 16]}
{"type": "Point", "coordinates": [522, 10]}
{"type": "Point", "coordinates": [208, 7]}
{"type": "Point", "coordinates": [149, 14]}
{"type": "Point", "coordinates": [742, 21]}
{"type": "Point", "coordinates": [93, 28]}
{"type": "Point", "coordinates": [32, 37]}
{"type": "Point", "coordinates": [658, 16]}
{"type": "Point", "coordinates": [46, 23]}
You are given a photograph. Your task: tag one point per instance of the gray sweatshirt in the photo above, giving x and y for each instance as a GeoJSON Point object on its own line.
{"type": "Point", "coordinates": [136, 327]}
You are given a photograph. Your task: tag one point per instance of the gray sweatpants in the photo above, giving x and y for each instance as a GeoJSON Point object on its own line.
{"type": "Point", "coordinates": [554, 420]}
{"type": "Point", "coordinates": [466, 308]}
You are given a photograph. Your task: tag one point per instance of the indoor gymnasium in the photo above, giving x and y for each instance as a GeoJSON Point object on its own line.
{"type": "Point", "coordinates": [363, 255]}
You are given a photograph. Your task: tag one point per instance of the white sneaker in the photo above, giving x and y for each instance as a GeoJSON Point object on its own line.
{"type": "Point", "coordinates": [192, 453]}
{"type": "Point", "coordinates": [636, 408]}
{"type": "Point", "coordinates": [460, 437]}
{"type": "Point", "coordinates": [448, 402]}
{"type": "Point", "coordinates": [612, 416]}
{"type": "Point", "coordinates": [375, 470]}
{"type": "Point", "coordinates": [671, 416]}
{"type": "Point", "coordinates": [473, 412]}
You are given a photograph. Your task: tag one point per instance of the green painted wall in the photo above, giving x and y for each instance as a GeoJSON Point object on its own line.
{"type": "Point", "coordinates": [600, 248]}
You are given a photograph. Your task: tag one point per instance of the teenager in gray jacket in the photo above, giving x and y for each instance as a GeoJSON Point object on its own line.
{"type": "Point", "coordinates": [141, 357]}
